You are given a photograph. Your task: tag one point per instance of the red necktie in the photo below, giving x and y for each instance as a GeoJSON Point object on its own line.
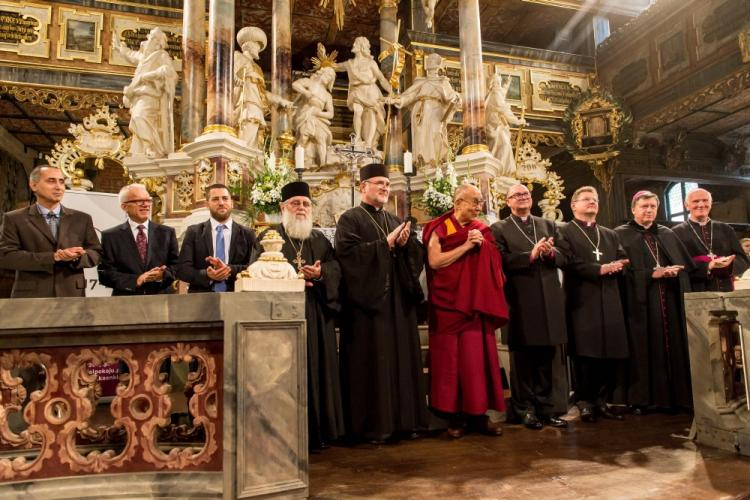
{"type": "Point", "coordinates": [141, 243]}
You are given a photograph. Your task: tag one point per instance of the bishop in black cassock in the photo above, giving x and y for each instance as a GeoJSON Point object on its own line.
{"type": "Point", "coordinates": [598, 339]}
{"type": "Point", "coordinates": [381, 368]}
{"type": "Point", "coordinates": [310, 252]}
{"type": "Point", "coordinates": [714, 246]}
{"type": "Point", "coordinates": [658, 373]}
{"type": "Point", "coordinates": [532, 255]}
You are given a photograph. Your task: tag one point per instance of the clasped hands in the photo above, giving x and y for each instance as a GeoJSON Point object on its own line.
{"type": "Point", "coordinates": [68, 254]}
{"type": "Point", "coordinates": [400, 235]}
{"type": "Point", "coordinates": [613, 267]}
{"type": "Point", "coordinates": [474, 238]}
{"type": "Point", "coordinates": [154, 274]}
{"type": "Point", "coordinates": [666, 272]}
{"type": "Point", "coordinates": [721, 262]}
{"type": "Point", "coordinates": [217, 270]}
{"type": "Point", "coordinates": [543, 247]}
{"type": "Point", "coordinates": [311, 272]}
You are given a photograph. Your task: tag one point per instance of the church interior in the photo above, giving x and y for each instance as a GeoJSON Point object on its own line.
{"type": "Point", "coordinates": [622, 95]}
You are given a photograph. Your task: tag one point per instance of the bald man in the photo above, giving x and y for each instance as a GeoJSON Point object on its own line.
{"type": "Point", "coordinates": [713, 245]}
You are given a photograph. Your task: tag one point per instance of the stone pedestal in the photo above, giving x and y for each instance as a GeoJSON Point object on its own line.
{"type": "Point", "coordinates": [715, 323]}
{"type": "Point", "coordinates": [246, 358]}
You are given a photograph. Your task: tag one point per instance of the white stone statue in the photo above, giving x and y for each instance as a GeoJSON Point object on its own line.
{"type": "Point", "coordinates": [150, 95]}
{"type": "Point", "coordinates": [365, 99]}
{"type": "Point", "coordinates": [252, 102]}
{"type": "Point", "coordinates": [433, 102]}
{"type": "Point", "coordinates": [428, 6]}
{"type": "Point", "coordinates": [314, 108]}
{"type": "Point", "coordinates": [271, 272]}
{"type": "Point", "coordinates": [498, 119]}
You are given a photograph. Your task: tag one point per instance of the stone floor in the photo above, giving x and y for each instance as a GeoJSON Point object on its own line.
{"type": "Point", "coordinates": [642, 457]}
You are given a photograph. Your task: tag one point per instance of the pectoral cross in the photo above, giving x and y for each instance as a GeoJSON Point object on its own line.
{"type": "Point", "coordinates": [299, 261]}
{"type": "Point", "coordinates": [597, 253]}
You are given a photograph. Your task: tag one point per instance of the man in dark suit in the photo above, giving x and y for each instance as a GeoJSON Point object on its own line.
{"type": "Point", "coordinates": [215, 251]}
{"type": "Point", "coordinates": [140, 256]}
{"type": "Point", "coordinates": [46, 244]}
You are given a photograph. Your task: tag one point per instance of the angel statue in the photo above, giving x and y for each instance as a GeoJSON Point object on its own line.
{"type": "Point", "coordinates": [150, 95]}
{"type": "Point", "coordinates": [498, 119]}
{"type": "Point", "coordinates": [433, 102]}
{"type": "Point", "coordinates": [314, 107]}
{"type": "Point", "coordinates": [365, 99]}
{"type": "Point", "coordinates": [252, 102]}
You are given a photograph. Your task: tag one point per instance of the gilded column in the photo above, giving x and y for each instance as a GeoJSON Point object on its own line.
{"type": "Point", "coordinates": [220, 66]}
{"type": "Point", "coordinates": [389, 32]}
{"type": "Point", "coordinates": [281, 65]}
{"type": "Point", "coordinates": [472, 76]}
{"type": "Point", "coordinates": [193, 70]}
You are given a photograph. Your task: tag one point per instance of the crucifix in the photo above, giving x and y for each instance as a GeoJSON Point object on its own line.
{"type": "Point", "coordinates": [598, 254]}
{"type": "Point", "coordinates": [301, 262]}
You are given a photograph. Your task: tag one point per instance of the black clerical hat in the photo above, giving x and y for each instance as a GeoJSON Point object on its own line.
{"type": "Point", "coordinates": [373, 170]}
{"type": "Point", "coordinates": [297, 188]}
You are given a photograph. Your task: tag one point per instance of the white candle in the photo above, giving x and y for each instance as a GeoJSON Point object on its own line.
{"type": "Point", "coordinates": [299, 158]}
{"type": "Point", "coordinates": [408, 158]}
{"type": "Point", "coordinates": [272, 160]}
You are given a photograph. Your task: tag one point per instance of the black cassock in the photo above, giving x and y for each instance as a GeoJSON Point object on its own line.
{"type": "Point", "coordinates": [537, 329]}
{"type": "Point", "coordinates": [658, 372]}
{"type": "Point", "coordinates": [325, 413]}
{"type": "Point", "coordinates": [381, 367]}
{"type": "Point", "coordinates": [721, 240]}
{"type": "Point", "coordinates": [598, 339]}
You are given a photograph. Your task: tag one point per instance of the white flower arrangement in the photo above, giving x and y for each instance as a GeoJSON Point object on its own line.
{"type": "Point", "coordinates": [438, 197]}
{"type": "Point", "coordinates": [265, 194]}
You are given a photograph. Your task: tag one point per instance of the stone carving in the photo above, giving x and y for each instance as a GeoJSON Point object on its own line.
{"type": "Point", "coordinates": [428, 6]}
{"type": "Point", "coordinates": [365, 99]}
{"type": "Point", "coordinates": [433, 103]}
{"type": "Point", "coordinates": [314, 108]}
{"type": "Point", "coordinates": [60, 99]}
{"type": "Point", "coordinates": [498, 119]}
{"type": "Point", "coordinates": [150, 96]}
{"type": "Point", "coordinates": [252, 102]}
{"type": "Point", "coordinates": [183, 193]}
{"type": "Point", "coordinates": [271, 272]}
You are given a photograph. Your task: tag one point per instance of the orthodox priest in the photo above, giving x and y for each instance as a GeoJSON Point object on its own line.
{"type": "Point", "coordinates": [310, 252]}
{"type": "Point", "coordinates": [596, 324]}
{"type": "Point", "coordinates": [466, 304]}
{"type": "Point", "coordinates": [381, 368]}
{"type": "Point", "coordinates": [658, 372]}
{"type": "Point", "coordinates": [533, 251]}
{"type": "Point", "coordinates": [713, 245]}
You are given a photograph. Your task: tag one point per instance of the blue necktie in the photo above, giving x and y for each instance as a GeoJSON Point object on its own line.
{"type": "Point", "coordinates": [220, 286]}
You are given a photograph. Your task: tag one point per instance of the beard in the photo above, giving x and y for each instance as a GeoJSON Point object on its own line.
{"type": "Point", "coordinates": [299, 229]}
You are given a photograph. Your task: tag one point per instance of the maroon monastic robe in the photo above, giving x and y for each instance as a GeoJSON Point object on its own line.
{"type": "Point", "coordinates": [467, 303]}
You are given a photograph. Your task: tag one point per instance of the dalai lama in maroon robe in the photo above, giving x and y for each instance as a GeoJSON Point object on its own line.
{"type": "Point", "coordinates": [467, 304]}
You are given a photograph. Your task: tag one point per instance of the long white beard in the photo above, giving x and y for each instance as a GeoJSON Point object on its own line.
{"type": "Point", "coordinates": [299, 229]}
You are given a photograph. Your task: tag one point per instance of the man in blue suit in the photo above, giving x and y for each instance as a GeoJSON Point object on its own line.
{"type": "Point", "coordinates": [140, 256]}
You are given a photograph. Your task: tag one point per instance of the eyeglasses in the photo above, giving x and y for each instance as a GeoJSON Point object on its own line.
{"type": "Point", "coordinates": [519, 196]}
{"type": "Point", "coordinates": [477, 202]}
{"type": "Point", "coordinates": [148, 201]}
{"type": "Point", "coordinates": [380, 184]}
{"type": "Point", "coordinates": [299, 203]}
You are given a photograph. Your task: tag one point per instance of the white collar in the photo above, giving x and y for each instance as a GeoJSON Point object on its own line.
{"type": "Point", "coordinates": [134, 225]}
{"type": "Point", "coordinates": [215, 223]}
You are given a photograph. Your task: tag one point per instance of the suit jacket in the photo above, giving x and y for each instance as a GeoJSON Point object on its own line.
{"type": "Point", "coordinates": [27, 247]}
{"type": "Point", "coordinates": [198, 244]}
{"type": "Point", "coordinates": [121, 264]}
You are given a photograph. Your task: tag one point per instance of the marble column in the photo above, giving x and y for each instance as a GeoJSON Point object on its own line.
{"type": "Point", "coordinates": [281, 62]}
{"type": "Point", "coordinates": [193, 70]}
{"type": "Point", "coordinates": [220, 66]}
{"type": "Point", "coordinates": [393, 149]}
{"type": "Point", "coordinates": [472, 76]}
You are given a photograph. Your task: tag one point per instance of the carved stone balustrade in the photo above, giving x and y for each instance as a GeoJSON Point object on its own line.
{"type": "Point", "coordinates": [718, 326]}
{"type": "Point", "coordinates": [168, 396]}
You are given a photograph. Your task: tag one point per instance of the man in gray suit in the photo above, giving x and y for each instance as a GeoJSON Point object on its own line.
{"type": "Point", "coordinates": [46, 244]}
